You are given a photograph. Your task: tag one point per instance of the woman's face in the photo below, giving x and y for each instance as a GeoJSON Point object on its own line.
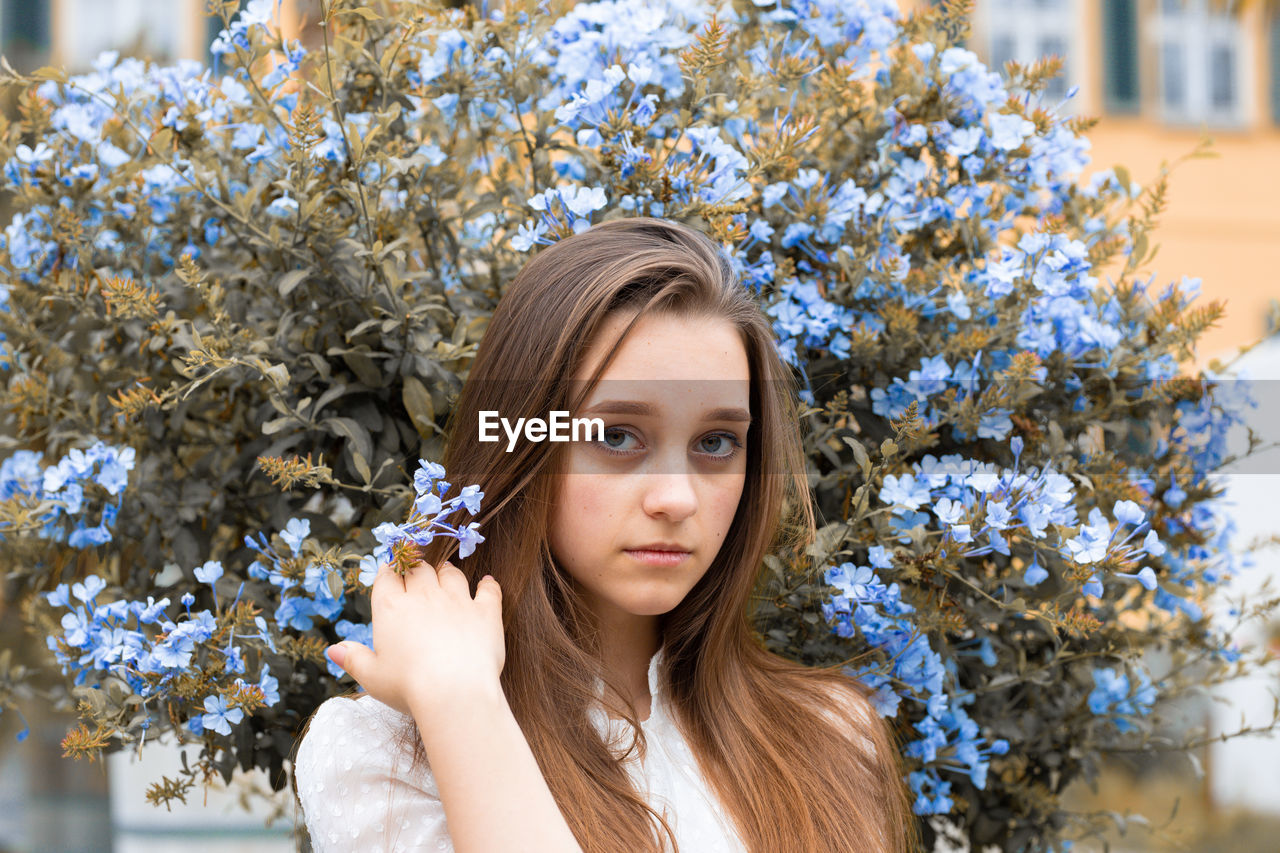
{"type": "Point", "coordinates": [675, 403]}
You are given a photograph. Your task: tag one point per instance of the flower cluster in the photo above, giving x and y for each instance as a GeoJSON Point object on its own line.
{"type": "Point", "coordinates": [428, 519]}
{"type": "Point", "coordinates": [320, 592]}
{"type": "Point", "coordinates": [67, 494]}
{"type": "Point", "coordinates": [949, 738]}
{"type": "Point", "coordinates": [227, 649]}
{"type": "Point", "coordinates": [156, 657]}
{"type": "Point", "coordinates": [1112, 696]}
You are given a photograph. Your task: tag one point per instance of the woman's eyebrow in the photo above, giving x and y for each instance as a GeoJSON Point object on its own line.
{"type": "Point", "coordinates": [634, 407]}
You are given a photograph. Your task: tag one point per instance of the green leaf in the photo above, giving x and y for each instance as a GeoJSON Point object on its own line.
{"type": "Point", "coordinates": [334, 580]}
{"type": "Point", "coordinates": [351, 430]}
{"type": "Point", "coordinates": [279, 375]}
{"type": "Point", "coordinates": [274, 425]}
{"type": "Point", "coordinates": [1123, 178]}
{"type": "Point", "coordinates": [861, 499]}
{"type": "Point", "coordinates": [332, 394]}
{"type": "Point", "coordinates": [363, 367]}
{"type": "Point", "coordinates": [859, 455]}
{"type": "Point", "coordinates": [287, 282]}
{"type": "Point", "coordinates": [417, 402]}
{"type": "Point", "coordinates": [362, 467]}
{"type": "Point", "coordinates": [827, 539]}
{"type": "Point", "coordinates": [50, 72]}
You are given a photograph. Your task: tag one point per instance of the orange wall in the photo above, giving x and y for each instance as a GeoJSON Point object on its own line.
{"type": "Point", "coordinates": [1222, 224]}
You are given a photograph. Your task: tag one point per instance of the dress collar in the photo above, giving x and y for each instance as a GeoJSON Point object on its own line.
{"type": "Point", "coordinates": [601, 718]}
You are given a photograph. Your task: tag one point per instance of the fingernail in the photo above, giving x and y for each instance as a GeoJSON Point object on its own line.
{"type": "Point", "coordinates": [337, 654]}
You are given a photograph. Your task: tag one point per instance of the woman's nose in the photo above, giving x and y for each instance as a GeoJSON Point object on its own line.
{"type": "Point", "coordinates": [670, 494]}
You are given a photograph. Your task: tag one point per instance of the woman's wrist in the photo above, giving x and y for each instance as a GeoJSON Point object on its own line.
{"type": "Point", "coordinates": [494, 794]}
{"type": "Point", "coordinates": [436, 707]}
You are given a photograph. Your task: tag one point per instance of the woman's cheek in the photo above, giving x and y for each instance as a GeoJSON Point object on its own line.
{"type": "Point", "coordinates": [728, 498]}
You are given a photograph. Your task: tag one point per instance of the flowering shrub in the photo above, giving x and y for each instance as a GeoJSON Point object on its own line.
{"type": "Point", "coordinates": [171, 664]}
{"type": "Point", "coordinates": [234, 274]}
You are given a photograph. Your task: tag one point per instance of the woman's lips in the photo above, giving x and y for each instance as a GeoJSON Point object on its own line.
{"type": "Point", "coordinates": [659, 558]}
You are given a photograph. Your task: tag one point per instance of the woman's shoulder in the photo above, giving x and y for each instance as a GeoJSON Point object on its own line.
{"type": "Point", "coordinates": [339, 718]}
{"type": "Point", "coordinates": [349, 730]}
{"type": "Point", "coordinates": [358, 785]}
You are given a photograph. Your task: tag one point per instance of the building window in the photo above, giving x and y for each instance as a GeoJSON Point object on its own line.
{"type": "Point", "coordinates": [1201, 47]}
{"type": "Point", "coordinates": [1121, 92]}
{"type": "Point", "coordinates": [24, 33]}
{"type": "Point", "coordinates": [1273, 44]}
{"type": "Point", "coordinates": [150, 28]}
{"type": "Point", "coordinates": [1028, 30]}
{"type": "Point", "coordinates": [213, 26]}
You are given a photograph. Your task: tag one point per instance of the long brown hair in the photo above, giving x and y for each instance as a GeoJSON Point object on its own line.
{"type": "Point", "coordinates": [796, 755]}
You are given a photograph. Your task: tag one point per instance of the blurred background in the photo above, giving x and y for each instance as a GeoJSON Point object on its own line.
{"type": "Point", "coordinates": [1161, 75]}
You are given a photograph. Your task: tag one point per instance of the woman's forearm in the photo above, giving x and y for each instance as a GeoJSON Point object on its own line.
{"type": "Point", "coordinates": [495, 797]}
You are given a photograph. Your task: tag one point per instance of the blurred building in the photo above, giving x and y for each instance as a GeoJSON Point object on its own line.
{"type": "Point", "coordinates": [71, 33]}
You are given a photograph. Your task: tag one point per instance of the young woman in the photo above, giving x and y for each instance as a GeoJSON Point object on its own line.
{"type": "Point", "coordinates": [603, 691]}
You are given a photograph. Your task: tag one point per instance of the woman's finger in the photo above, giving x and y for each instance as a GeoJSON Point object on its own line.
{"type": "Point", "coordinates": [421, 578]}
{"type": "Point", "coordinates": [355, 659]}
{"type": "Point", "coordinates": [489, 593]}
{"type": "Point", "coordinates": [453, 580]}
{"type": "Point", "coordinates": [383, 582]}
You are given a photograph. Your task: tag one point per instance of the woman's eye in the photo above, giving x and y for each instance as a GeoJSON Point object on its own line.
{"type": "Point", "coordinates": [721, 444]}
{"type": "Point", "coordinates": [615, 440]}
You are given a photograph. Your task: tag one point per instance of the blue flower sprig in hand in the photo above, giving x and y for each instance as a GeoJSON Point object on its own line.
{"type": "Point", "coordinates": [426, 522]}
{"type": "Point", "coordinates": [319, 594]}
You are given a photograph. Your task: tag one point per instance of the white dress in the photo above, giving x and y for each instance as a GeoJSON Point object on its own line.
{"type": "Point", "coordinates": [357, 794]}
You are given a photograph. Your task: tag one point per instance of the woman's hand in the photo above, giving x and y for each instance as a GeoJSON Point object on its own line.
{"type": "Point", "coordinates": [436, 645]}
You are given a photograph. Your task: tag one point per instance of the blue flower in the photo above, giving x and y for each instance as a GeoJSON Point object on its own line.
{"type": "Point", "coordinates": [428, 472]}
{"type": "Point", "coordinates": [1035, 573]}
{"type": "Point", "coordinates": [89, 589]}
{"type": "Point", "coordinates": [294, 532]}
{"type": "Point", "coordinates": [470, 498]}
{"type": "Point", "coordinates": [175, 652]}
{"type": "Point", "coordinates": [904, 491]}
{"type": "Point", "coordinates": [1091, 545]}
{"type": "Point", "coordinates": [209, 572]}
{"type": "Point", "coordinates": [1145, 576]}
{"type": "Point", "coordinates": [270, 687]}
{"type": "Point", "coordinates": [949, 512]}
{"type": "Point", "coordinates": [218, 716]}
{"type": "Point", "coordinates": [368, 569]}
{"type": "Point", "coordinates": [879, 558]}
{"type": "Point", "coordinates": [1128, 512]}
{"type": "Point", "coordinates": [469, 538]}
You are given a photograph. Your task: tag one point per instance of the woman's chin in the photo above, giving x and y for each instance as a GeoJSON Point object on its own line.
{"type": "Point", "coordinates": [650, 602]}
